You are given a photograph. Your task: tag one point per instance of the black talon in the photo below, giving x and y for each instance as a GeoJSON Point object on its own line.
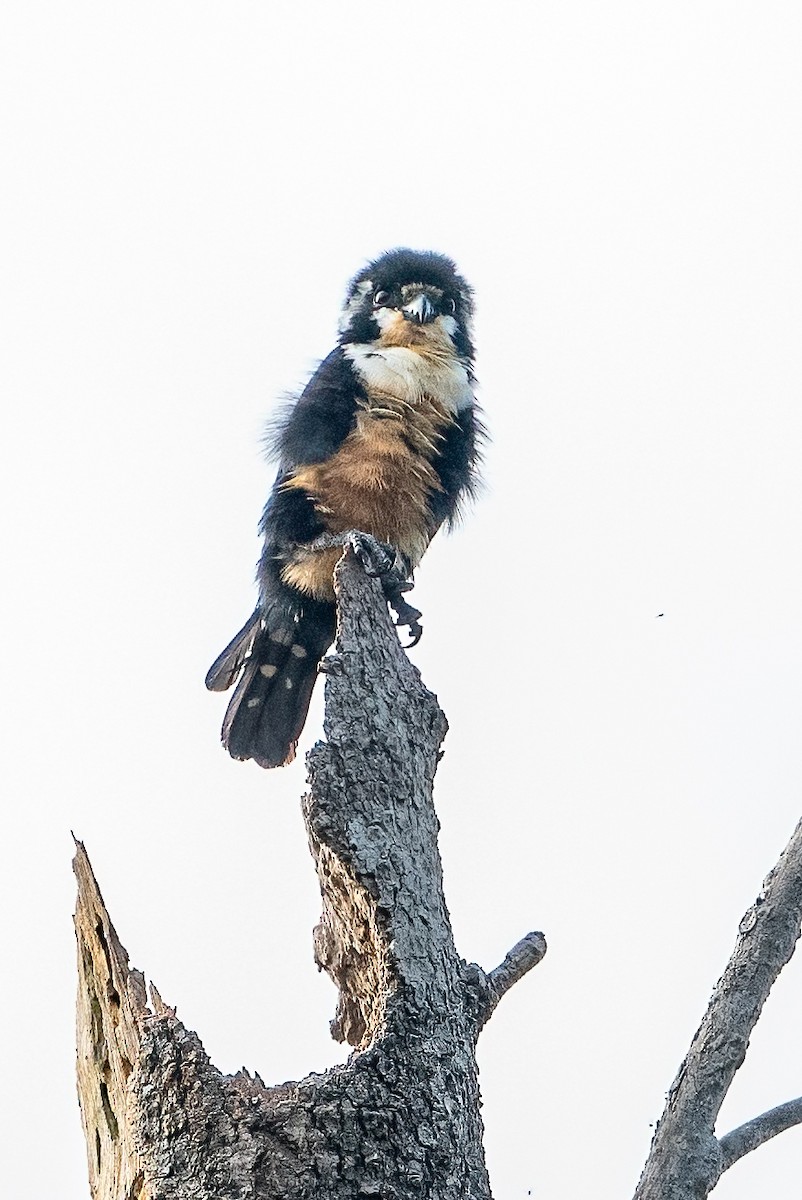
{"type": "Point", "coordinates": [407, 615]}
{"type": "Point", "coordinates": [415, 632]}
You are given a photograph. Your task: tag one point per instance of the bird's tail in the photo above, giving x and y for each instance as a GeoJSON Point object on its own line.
{"type": "Point", "coordinates": [276, 656]}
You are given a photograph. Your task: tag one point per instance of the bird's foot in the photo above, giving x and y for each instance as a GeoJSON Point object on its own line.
{"type": "Point", "coordinates": [406, 614]}
{"type": "Point", "coordinates": [378, 559]}
{"type": "Point", "coordinates": [382, 561]}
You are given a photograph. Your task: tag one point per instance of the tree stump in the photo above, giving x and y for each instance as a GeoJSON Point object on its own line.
{"type": "Point", "coordinates": [401, 1119]}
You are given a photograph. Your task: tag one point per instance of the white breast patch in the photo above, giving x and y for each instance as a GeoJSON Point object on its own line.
{"type": "Point", "coordinates": [409, 376]}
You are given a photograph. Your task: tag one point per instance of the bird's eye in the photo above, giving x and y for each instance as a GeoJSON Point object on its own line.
{"type": "Point", "coordinates": [450, 306]}
{"type": "Point", "coordinates": [380, 299]}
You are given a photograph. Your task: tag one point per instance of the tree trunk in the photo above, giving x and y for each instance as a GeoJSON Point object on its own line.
{"type": "Point", "coordinates": [401, 1119]}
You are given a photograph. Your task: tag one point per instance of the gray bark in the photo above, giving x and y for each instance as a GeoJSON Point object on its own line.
{"type": "Point", "coordinates": [401, 1119]}
{"type": "Point", "coordinates": [686, 1159]}
{"type": "Point", "coordinates": [760, 1129]}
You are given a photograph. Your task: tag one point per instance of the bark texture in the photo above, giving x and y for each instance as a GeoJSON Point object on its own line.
{"type": "Point", "coordinates": [760, 1129]}
{"type": "Point", "coordinates": [111, 1013]}
{"type": "Point", "coordinates": [401, 1119]}
{"type": "Point", "coordinates": [686, 1159]}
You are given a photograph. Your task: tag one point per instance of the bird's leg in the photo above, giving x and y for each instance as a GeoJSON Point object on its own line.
{"type": "Point", "coordinates": [382, 561]}
{"type": "Point", "coordinates": [406, 614]}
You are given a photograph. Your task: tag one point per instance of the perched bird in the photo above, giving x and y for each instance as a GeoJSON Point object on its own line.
{"type": "Point", "coordinates": [383, 440]}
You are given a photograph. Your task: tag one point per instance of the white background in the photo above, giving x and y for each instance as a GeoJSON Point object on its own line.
{"type": "Point", "coordinates": [187, 189]}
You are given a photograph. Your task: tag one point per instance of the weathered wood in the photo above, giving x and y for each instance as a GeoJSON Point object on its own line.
{"type": "Point", "coordinates": [401, 1119]}
{"type": "Point", "coordinates": [754, 1133]}
{"type": "Point", "coordinates": [111, 1011]}
{"type": "Point", "coordinates": [686, 1160]}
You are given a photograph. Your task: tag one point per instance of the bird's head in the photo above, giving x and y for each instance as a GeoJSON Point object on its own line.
{"type": "Point", "coordinates": [409, 298]}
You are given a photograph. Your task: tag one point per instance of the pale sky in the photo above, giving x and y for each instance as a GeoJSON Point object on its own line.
{"type": "Point", "coordinates": [187, 189]}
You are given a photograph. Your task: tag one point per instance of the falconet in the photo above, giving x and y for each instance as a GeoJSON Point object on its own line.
{"type": "Point", "coordinates": [380, 449]}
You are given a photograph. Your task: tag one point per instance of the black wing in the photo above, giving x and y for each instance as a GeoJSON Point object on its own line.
{"type": "Point", "coordinates": [321, 418]}
{"type": "Point", "coordinates": [312, 431]}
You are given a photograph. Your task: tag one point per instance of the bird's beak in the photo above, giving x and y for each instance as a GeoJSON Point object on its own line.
{"type": "Point", "coordinates": [420, 310]}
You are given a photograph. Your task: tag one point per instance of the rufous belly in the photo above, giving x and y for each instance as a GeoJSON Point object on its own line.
{"type": "Point", "coordinates": [379, 481]}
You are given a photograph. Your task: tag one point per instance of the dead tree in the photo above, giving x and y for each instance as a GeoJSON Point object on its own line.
{"type": "Point", "coordinates": [686, 1159]}
{"type": "Point", "coordinates": [401, 1119]}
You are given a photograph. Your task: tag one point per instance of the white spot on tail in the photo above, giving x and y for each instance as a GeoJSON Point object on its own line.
{"type": "Point", "coordinates": [288, 684]}
{"type": "Point", "coordinates": [268, 670]}
{"type": "Point", "coordinates": [282, 636]}
{"type": "Point", "coordinates": [252, 703]}
{"type": "Point", "coordinates": [298, 651]}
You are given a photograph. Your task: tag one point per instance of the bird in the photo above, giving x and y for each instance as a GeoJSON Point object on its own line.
{"type": "Point", "coordinates": [381, 448]}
